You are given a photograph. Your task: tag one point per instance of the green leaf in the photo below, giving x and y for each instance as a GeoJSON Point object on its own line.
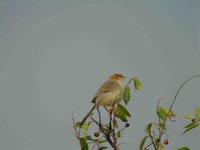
{"type": "Point", "coordinates": [197, 111]}
{"type": "Point", "coordinates": [142, 143]}
{"type": "Point", "coordinates": [127, 95]}
{"type": "Point", "coordinates": [172, 114]}
{"type": "Point", "coordinates": [148, 127]}
{"type": "Point", "coordinates": [166, 111]}
{"type": "Point", "coordinates": [101, 141]}
{"type": "Point", "coordinates": [188, 116]}
{"type": "Point", "coordinates": [84, 144]}
{"type": "Point", "coordinates": [190, 127]}
{"type": "Point", "coordinates": [115, 123]}
{"type": "Point", "coordinates": [183, 148]}
{"type": "Point", "coordinates": [162, 115]}
{"type": "Point", "coordinates": [137, 84]}
{"type": "Point", "coordinates": [119, 114]}
{"type": "Point", "coordinates": [124, 110]}
{"type": "Point", "coordinates": [84, 127]}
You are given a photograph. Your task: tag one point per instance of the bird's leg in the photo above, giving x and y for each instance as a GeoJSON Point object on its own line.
{"type": "Point", "coordinates": [114, 133]}
{"type": "Point", "coordinates": [110, 114]}
{"type": "Point", "coordinates": [110, 124]}
{"type": "Point", "coordinates": [99, 116]}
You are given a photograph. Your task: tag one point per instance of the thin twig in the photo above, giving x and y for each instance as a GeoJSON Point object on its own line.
{"type": "Point", "coordinates": [74, 125]}
{"type": "Point", "coordinates": [130, 81]}
{"type": "Point", "coordinates": [120, 130]}
{"type": "Point", "coordinates": [147, 145]}
{"type": "Point", "coordinates": [159, 120]}
{"type": "Point", "coordinates": [110, 122]}
{"type": "Point", "coordinates": [152, 141]}
{"type": "Point", "coordinates": [99, 116]}
{"type": "Point", "coordinates": [95, 144]}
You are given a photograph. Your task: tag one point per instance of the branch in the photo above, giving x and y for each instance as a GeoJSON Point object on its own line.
{"type": "Point", "coordinates": [107, 137]}
{"type": "Point", "coordinates": [130, 81]}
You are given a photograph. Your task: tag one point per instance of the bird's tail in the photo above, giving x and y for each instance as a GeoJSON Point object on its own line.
{"type": "Point", "coordinates": [87, 115]}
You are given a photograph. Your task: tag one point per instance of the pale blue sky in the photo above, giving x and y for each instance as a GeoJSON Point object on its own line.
{"type": "Point", "coordinates": [55, 54]}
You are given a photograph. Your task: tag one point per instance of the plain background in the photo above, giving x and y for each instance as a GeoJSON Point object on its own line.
{"type": "Point", "coordinates": [55, 54]}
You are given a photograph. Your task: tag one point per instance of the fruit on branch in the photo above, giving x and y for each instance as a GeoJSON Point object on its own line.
{"type": "Point", "coordinates": [127, 125]}
{"type": "Point", "coordinates": [166, 141]}
{"type": "Point", "coordinates": [96, 134]}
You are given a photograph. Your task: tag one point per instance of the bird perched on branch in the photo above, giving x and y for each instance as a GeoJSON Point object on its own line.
{"type": "Point", "coordinates": [110, 93]}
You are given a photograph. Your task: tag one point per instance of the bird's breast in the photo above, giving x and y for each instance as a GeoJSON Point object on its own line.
{"type": "Point", "coordinates": [109, 98]}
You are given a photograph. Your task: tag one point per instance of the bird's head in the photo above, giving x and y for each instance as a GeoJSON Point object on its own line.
{"type": "Point", "coordinates": [117, 76]}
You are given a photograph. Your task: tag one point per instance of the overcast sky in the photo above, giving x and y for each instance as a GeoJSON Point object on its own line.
{"type": "Point", "coordinates": [54, 55]}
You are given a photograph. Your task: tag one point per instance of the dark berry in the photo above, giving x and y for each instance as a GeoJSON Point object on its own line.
{"type": "Point", "coordinates": [127, 125]}
{"type": "Point", "coordinates": [96, 134]}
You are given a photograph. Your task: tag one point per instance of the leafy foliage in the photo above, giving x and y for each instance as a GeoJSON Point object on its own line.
{"type": "Point", "coordinates": [127, 94]}
{"type": "Point", "coordinates": [137, 84]}
{"type": "Point", "coordinates": [148, 127]}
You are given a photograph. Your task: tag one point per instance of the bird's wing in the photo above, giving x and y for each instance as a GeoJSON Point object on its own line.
{"type": "Point", "coordinates": [108, 86]}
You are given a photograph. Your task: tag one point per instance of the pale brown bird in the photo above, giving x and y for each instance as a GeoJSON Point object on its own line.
{"type": "Point", "coordinates": [110, 93]}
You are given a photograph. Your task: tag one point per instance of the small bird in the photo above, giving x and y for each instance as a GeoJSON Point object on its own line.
{"type": "Point", "coordinates": [110, 93]}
